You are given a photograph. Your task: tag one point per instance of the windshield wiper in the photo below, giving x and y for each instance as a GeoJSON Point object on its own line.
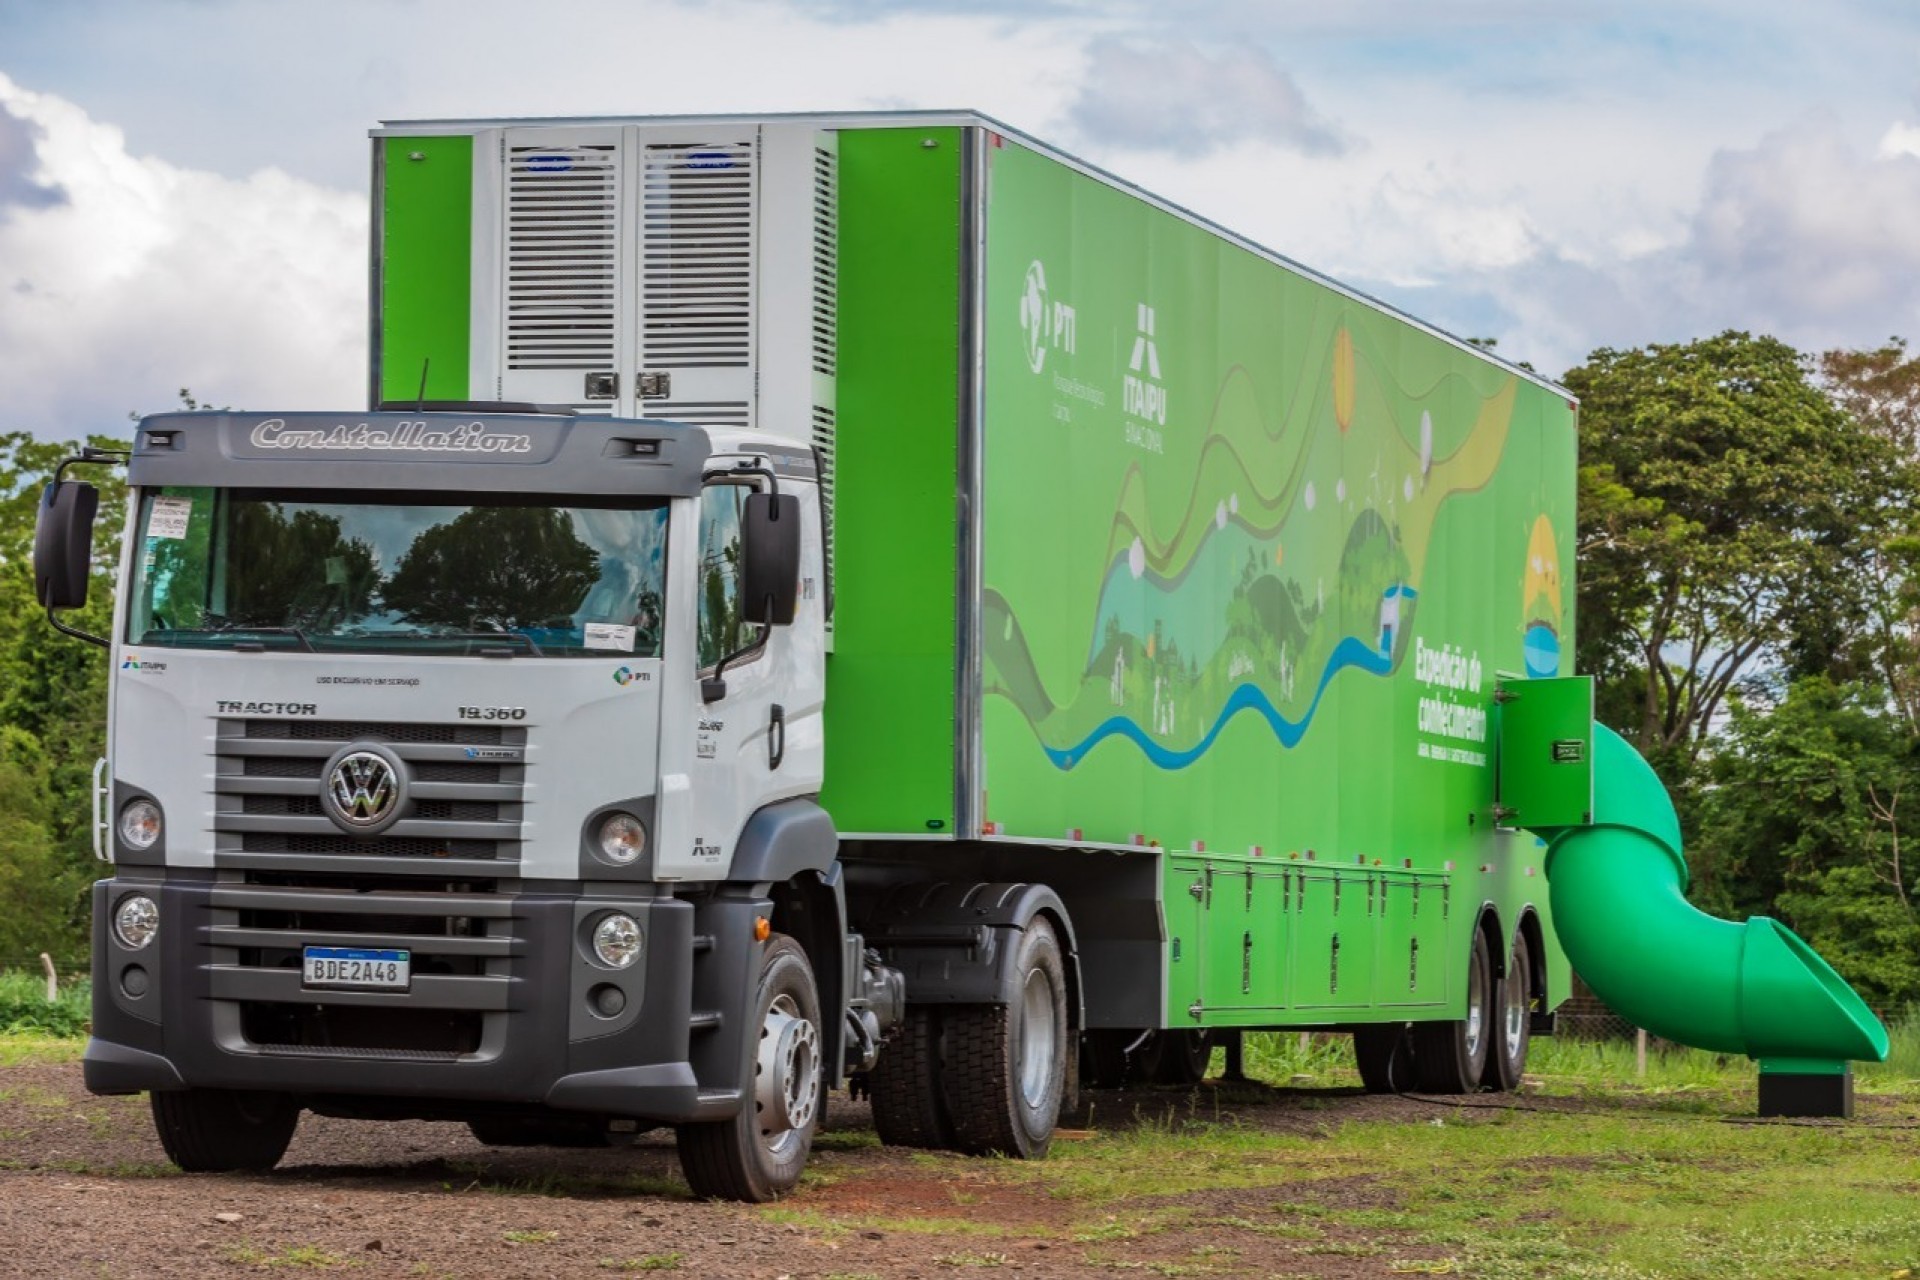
{"type": "Point", "coordinates": [500, 651]}
{"type": "Point", "coordinates": [297, 634]}
{"type": "Point", "coordinates": [233, 629]}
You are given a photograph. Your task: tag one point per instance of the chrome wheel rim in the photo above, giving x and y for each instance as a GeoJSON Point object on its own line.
{"type": "Point", "coordinates": [1517, 1001]}
{"type": "Point", "coordinates": [786, 1076]}
{"type": "Point", "coordinates": [1036, 1041]}
{"type": "Point", "coordinates": [1476, 1005]}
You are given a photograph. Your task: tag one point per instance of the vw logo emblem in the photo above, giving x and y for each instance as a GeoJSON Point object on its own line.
{"type": "Point", "coordinates": [362, 790]}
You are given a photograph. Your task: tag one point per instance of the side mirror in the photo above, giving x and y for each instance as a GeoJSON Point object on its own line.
{"type": "Point", "coordinates": [770, 554]}
{"type": "Point", "coordinates": [63, 543]}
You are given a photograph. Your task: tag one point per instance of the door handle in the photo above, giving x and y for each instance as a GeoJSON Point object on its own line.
{"type": "Point", "coordinates": [777, 737]}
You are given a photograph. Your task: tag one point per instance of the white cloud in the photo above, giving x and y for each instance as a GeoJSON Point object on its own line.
{"type": "Point", "coordinates": [1802, 233]}
{"type": "Point", "coordinates": [1900, 140]}
{"type": "Point", "coordinates": [142, 277]}
{"type": "Point", "coordinates": [1171, 96]}
{"type": "Point", "coordinates": [1802, 236]}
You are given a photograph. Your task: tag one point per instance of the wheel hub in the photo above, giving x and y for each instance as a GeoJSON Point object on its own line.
{"type": "Point", "coordinates": [1037, 1046]}
{"type": "Point", "coordinates": [786, 1073]}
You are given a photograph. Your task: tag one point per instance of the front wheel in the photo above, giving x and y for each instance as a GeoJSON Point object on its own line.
{"type": "Point", "coordinates": [1513, 1016]}
{"type": "Point", "coordinates": [759, 1153]}
{"type": "Point", "coordinates": [223, 1130]}
{"type": "Point", "coordinates": [1006, 1064]}
{"type": "Point", "coordinates": [1450, 1057]}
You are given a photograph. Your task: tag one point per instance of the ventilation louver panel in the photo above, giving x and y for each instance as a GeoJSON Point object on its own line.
{"type": "Point", "coordinates": [699, 413]}
{"type": "Point", "coordinates": [696, 268]}
{"type": "Point", "coordinates": [562, 210]}
{"type": "Point", "coordinates": [823, 433]}
{"type": "Point", "coordinates": [826, 259]}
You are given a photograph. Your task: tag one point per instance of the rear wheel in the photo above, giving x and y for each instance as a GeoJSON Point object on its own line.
{"type": "Point", "coordinates": [1006, 1064]}
{"type": "Point", "coordinates": [222, 1130]}
{"type": "Point", "coordinates": [1513, 1014]}
{"type": "Point", "coordinates": [909, 1108]}
{"type": "Point", "coordinates": [759, 1153]}
{"type": "Point", "coordinates": [1451, 1057]}
{"type": "Point", "coordinates": [1384, 1054]}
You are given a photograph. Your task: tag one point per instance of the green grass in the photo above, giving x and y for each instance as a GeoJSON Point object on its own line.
{"type": "Point", "coordinates": [299, 1255]}
{"type": "Point", "coordinates": [1564, 1065]}
{"type": "Point", "coordinates": [24, 1008]}
{"type": "Point", "coordinates": [1663, 1174]}
{"type": "Point", "coordinates": [26, 1047]}
{"type": "Point", "coordinates": [1616, 1192]}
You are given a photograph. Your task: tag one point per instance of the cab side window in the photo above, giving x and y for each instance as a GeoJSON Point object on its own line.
{"type": "Point", "coordinates": [721, 631]}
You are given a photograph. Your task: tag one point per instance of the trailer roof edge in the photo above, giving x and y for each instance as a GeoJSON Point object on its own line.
{"type": "Point", "coordinates": [964, 118]}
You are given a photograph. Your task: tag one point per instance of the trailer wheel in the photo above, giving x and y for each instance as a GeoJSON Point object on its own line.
{"type": "Point", "coordinates": [1450, 1057]}
{"type": "Point", "coordinates": [1103, 1057]}
{"type": "Point", "coordinates": [1177, 1056]}
{"type": "Point", "coordinates": [909, 1109]}
{"type": "Point", "coordinates": [223, 1130]}
{"type": "Point", "coordinates": [1384, 1053]}
{"type": "Point", "coordinates": [1512, 1017]}
{"type": "Point", "coordinates": [759, 1153]}
{"type": "Point", "coordinates": [1006, 1065]}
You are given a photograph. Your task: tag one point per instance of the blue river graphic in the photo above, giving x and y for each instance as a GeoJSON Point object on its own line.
{"type": "Point", "coordinates": [1350, 652]}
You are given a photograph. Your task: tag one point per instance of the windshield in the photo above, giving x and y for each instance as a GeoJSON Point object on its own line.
{"type": "Point", "coordinates": [255, 568]}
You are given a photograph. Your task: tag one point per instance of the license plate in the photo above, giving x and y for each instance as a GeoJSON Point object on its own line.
{"type": "Point", "coordinates": [356, 968]}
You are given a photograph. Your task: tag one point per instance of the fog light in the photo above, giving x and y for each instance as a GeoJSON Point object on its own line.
{"type": "Point", "coordinates": [622, 838]}
{"type": "Point", "coordinates": [616, 941]}
{"type": "Point", "coordinates": [136, 920]}
{"type": "Point", "coordinates": [140, 824]}
{"type": "Point", "coordinates": [608, 1001]}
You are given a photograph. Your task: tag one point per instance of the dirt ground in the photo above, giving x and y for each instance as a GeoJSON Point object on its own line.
{"type": "Point", "coordinates": [86, 1191]}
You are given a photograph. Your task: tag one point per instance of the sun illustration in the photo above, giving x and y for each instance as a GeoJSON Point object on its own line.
{"type": "Point", "coordinates": [1343, 378]}
{"type": "Point", "coordinates": [1540, 593]}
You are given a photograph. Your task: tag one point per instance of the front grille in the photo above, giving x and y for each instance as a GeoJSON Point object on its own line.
{"type": "Point", "coordinates": [268, 782]}
{"type": "Point", "coordinates": [460, 935]}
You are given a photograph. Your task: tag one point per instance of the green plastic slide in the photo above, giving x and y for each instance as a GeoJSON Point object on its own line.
{"type": "Point", "coordinates": [1619, 905]}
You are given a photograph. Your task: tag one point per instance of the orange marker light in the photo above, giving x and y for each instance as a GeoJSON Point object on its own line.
{"type": "Point", "coordinates": [761, 928]}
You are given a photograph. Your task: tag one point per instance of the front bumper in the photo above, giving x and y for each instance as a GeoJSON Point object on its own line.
{"type": "Point", "coordinates": [506, 1007]}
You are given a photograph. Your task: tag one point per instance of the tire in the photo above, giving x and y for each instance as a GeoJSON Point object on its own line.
{"type": "Point", "coordinates": [909, 1108]}
{"type": "Point", "coordinates": [515, 1131]}
{"type": "Point", "coordinates": [1103, 1057]}
{"type": "Point", "coordinates": [1176, 1057]}
{"type": "Point", "coordinates": [223, 1130]}
{"type": "Point", "coordinates": [758, 1154]}
{"type": "Point", "coordinates": [1512, 1010]}
{"type": "Point", "coordinates": [1384, 1054]}
{"type": "Point", "coordinates": [1451, 1057]}
{"type": "Point", "coordinates": [1005, 1065]}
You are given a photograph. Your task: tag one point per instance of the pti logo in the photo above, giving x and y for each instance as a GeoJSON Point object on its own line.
{"type": "Point", "coordinates": [1044, 321]}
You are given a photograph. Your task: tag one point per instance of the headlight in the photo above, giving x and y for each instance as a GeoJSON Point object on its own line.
{"type": "Point", "coordinates": [140, 824]}
{"type": "Point", "coordinates": [622, 838]}
{"type": "Point", "coordinates": [136, 920]}
{"type": "Point", "coordinates": [616, 941]}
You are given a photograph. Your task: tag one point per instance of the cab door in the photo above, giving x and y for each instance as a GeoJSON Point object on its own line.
{"type": "Point", "coordinates": [758, 739]}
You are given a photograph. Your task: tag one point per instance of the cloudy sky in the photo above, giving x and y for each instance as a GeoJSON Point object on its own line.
{"type": "Point", "coordinates": [183, 182]}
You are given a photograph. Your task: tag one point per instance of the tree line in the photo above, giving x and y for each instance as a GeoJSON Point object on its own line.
{"type": "Point", "coordinates": [1748, 603]}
